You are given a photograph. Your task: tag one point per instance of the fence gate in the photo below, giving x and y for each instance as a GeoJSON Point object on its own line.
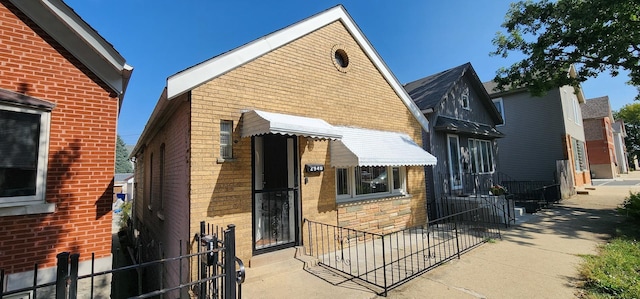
{"type": "Point", "coordinates": [219, 273]}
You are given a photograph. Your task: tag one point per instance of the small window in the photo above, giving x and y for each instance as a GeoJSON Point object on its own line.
{"type": "Point", "coordinates": [226, 129]}
{"type": "Point", "coordinates": [24, 143]}
{"type": "Point", "coordinates": [500, 106]}
{"type": "Point", "coordinates": [340, 58]}
{"type": "Point", "coordinates": [465, 98]}
{"type": "Point", "coordinates": [161, 180]}
{"type": "Point", "coordinates": [342, 182]}
{"type": "Point", "coordinates": [577, 115]}
{"type": "Point", "coordinates": [150, 202]}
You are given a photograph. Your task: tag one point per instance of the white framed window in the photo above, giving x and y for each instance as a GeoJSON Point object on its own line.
{"type": "Point", "coordinates": [226, 148]}
{"type": "Point", "coordinates": [500, 106]}
{"type": "Point", "coordinates": [579, 157]}
{"type": "Point", "coordinates": [24, 149]}
{"type": "Point", "coordinates": [577, 112]}
{"type": "Point", "coordinates": [365, 182]}
{"type": "Point", "coordinates": [465, 98]}
{"type": "Point", "coordinates": [481, 156]}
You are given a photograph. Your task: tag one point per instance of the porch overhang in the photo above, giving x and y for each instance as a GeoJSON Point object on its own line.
{"type": "Point", "coordinates": [458, 126]}
{"type": "Point", "coordinates": [363, 147]}
{"type": "Point", "coordinates": [256, 122]}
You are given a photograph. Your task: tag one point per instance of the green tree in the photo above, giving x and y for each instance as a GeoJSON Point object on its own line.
{"type": "Point", "coordinates": [593, 35]}
{"type": "Point", "coordinates": [630, 114]}
{"type": "Point", "coordinates": [122, 157]}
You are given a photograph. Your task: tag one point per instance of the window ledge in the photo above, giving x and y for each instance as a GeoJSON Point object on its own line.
{"type": "Point", "coordinates": [226, 160]}
{"type": "Point", "coordinates": [370, 199]}
{"type": "Point", "coordinates": [45, 208]}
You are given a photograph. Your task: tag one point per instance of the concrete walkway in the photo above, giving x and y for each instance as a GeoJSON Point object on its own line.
{"type": "Point", "coordinates": [534, 259]}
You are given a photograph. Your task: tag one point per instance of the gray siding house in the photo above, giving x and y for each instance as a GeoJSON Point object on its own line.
{"type": "Point", "coordinates": [463, 134]}
{"type": "Point", "coordinates": [541, 132]}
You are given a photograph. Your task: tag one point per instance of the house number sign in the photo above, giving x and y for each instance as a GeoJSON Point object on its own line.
{"type": "Point", "coordinates": [313, 167]}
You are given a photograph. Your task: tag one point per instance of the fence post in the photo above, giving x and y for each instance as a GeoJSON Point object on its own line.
{"type": "Point", "coordinates": [73, 276]}
{"type": "Point", "coordinates": [201, 265]}
{"type": "Point", "coordinates": [230, 261]}
{"type": "Point", "coordinates": [455, 228]}
{"type": "Point", "coordinates": [61, 275]}
{"type": "Point", "coordinates": [384, 267]}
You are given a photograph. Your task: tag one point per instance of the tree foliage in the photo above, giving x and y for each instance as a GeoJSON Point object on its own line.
{"type": "Point", "coordinates": [630, 114]}
{"type": "Point", "coordinates": [595, 36]}
{"type": "Point", "coordinates": [122, 157]}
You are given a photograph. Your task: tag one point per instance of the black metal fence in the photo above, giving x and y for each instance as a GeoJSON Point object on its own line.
{"type": "Point", "coordinates": [219, 275]}
{"type": "Point", "coordinates": [529, 194]}
{"type": "Point", "coordinates": [385, 261]}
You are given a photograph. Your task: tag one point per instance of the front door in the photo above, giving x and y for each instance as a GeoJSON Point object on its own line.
{"type": "Point", "coordinates": [275, 197]}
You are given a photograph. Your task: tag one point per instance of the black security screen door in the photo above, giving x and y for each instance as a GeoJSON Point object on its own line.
{"type": "Point", "coordinates": [275, 196]}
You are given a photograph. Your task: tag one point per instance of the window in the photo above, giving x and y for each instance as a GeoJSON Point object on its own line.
{"type": "Point", "coordinates": [481, 155]}
{"type": "Point", "coordinates": [226, 129]}
{"type": "Point", "coordinates": [465, 98]}
{"type": "Point", "coordinates": [369, 182]}
{"type": "Point", "coordinates": [578, 155]}
{"type": "Point", "coordinates": [161, 180]}
{"type": "Point", "coordinates": [24, 146]}
{"type": "Point", "coordinates": [500, 106]}
{"type": "Point", "coordinates": [150, 203]}
{"type": "Point", "coordinates": [577, 115]}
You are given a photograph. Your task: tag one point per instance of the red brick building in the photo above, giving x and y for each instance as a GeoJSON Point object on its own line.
{"type": "Point", "coordinates": [61, 87]}
{"type": "Point", "coordinates": [598, 130]}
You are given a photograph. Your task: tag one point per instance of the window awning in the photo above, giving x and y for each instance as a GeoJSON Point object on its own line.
{"type": "Point", "coordinates": [362, 147]}
{"type": "Point", "coordinates": [256, 122]}
{"type": "Point", "coordinates": [457, 126]}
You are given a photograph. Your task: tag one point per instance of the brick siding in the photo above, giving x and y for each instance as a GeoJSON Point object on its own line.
{"type": "Point", "coordinates": [81, 149]}
{"type": "Point", "coordinates": [298, 79]}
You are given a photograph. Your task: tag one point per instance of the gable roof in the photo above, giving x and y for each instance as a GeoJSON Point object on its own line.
{"type": "Point", "coordinates": [596, 108]}
{"type": "Point", "coordinates": [429, 91]}
{"type": "Point", "coordinates": [201, 73]}
{"type": "Point", "coordinates": [83, 42]}
{"type": "Point", "coordinates": [492, 87]}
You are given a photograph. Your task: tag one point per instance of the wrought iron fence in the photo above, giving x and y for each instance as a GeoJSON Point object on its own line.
{"type": "Point", "coordinates": [220, 273]}
{"type": "Point", "coordinates": [385, 261]}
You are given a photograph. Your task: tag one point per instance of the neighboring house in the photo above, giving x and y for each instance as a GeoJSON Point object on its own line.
{"type": "Point", "coordinates": [123, 186]}
{"type": "Point", "coordinates": [304, 123]}
{"type": "Point", "coordinates": [61, 87]}
{"type": "Point", "coordinates": [462, 120]}
{"type": "Point", "coordinates": [546, 139]}
{"type": "Point", "coordinates": [622, 156]}
{"type": "Point", "coordinates": [598, 131]}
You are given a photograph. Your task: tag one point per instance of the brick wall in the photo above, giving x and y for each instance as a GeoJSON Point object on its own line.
{"type": "Point", "coordinates": [81, 149]}
{"type": "Point", "coordinates": [298, 79]}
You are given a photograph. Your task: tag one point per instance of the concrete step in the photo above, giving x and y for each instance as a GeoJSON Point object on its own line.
{"type": "Point", "coordinates": [518, 211]}
{"type": "Point", "coordinates": [272, 257]}
{"type": "Point", "coordinates": [279, 262]}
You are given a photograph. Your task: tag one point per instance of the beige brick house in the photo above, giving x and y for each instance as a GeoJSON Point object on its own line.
{"type": "Point", "coordinates": [304, 123]}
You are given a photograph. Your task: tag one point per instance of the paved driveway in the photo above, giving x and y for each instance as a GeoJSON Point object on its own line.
{"type": "Point", "coordinates": [615, 182]}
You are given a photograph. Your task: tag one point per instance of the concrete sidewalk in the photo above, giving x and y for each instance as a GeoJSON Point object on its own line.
{"type": "Point", "coordinates": [534, 259]}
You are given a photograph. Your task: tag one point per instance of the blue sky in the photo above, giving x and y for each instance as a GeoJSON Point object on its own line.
{"type": "Point", "coordinates": [415, 39]}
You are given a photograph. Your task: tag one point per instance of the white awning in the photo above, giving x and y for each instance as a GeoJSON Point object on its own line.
{"type": "Point", "coordinates": [362, 147]}
{"type": "Point", "coordinates": [256, 122]}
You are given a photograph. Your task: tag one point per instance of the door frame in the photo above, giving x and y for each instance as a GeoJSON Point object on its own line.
{"type": "Point", "coordinates": [293, 162]}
